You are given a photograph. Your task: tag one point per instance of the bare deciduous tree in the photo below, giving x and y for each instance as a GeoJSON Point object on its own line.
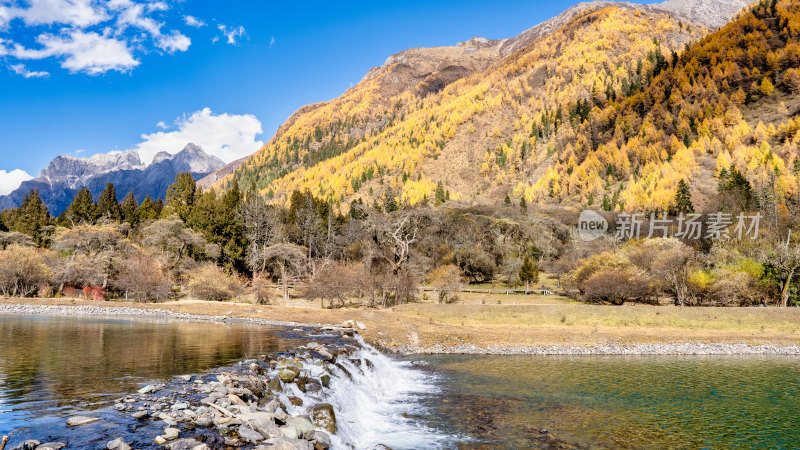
{"type": "Point", "coordinates": [287, 259]}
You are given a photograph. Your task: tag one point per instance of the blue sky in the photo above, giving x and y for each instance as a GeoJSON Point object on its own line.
{"type": "Point", "coordinates": [82, 77]}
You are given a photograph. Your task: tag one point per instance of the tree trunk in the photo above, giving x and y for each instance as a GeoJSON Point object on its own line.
{"type": "Point", "coordinates": [285, 283]}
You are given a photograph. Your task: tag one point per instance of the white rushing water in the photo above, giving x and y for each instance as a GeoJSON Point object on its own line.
{"type": "Point", "coordinates": [373, 403]}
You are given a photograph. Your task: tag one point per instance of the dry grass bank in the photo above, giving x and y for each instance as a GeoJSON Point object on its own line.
{"type": "Point", "coordinates": [510, 325]}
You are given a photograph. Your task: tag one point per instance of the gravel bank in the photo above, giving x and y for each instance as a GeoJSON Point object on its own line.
{"type": "Point", "coordinates": [125, 312]}
{"type": "Point", "coordinates": [689, 348]}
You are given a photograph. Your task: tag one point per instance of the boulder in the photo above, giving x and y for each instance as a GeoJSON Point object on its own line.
{"type": "Point", "coordinates": [250, 435]}
{"type": "Point", "coordinates": [287, 375]}
{"type": "Point", "coordinates": [304, 428]}
{"type": "Point", "coordinates": [186, 444]}
{"type": "Point", "coordinates": [52, 446]}
{"type": "Point", "coordinates": [275, 385]}
{"type": "Point", "coordinates": [77, 421]}
{"type": "Point", "coordinates": [30, 444]}
{"type": "Point", "coordinates": [235, 400]}
{"type": "Point", "coordinates": [323, 440]}
{"type": "Point", "coordinates": [262, 422]}
{"type": "Point", "coordinates": [287, 363]}
{"type": "Point", "coordinates": [203, 421]}
{"type": "Point", "coordinates": [323, 354]}
{"type": "Point", "coordinates": [323, 416]}
{"type": "Point", "coordinates": [149, 389]}
{"type": "Point", "coordinates": [140, 415]}
{"type": "Point", "coordinates": [118, 444]}
{"type": "Point", "coordinates": [325, 380]}
{"type": "Point", "coordinates": [285, 444]}
{"type": "Point", "coordinates": [171, 433]}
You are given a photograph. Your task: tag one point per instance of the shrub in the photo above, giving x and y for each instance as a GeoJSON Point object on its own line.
{"type": "Point", "coordinates": [70, 292]}
{"type": "Point", "coordinates": [735, 288]}
{"type": "Point", "coordinates": [616, 286]}
{"type": "Point", "coordinates": [446, 280]}
{"type": "Point", "coordinates": [22, 271]}
{"type": "Point", "coordinates": [45, 291]}
{"type": "Point", "coordinates": [94, 292]}
{"type": "Point", "coordinates": [142, 278]}
{"type": "Point", "coordinates": [210, 282]}
{"type": "Point", "coordinates": [260, 289]}
{"type": "Point", "coordinates": [336, 282]}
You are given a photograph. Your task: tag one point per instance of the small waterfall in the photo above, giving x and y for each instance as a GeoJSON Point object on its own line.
{"type": "Point", "coordinates": [374, 397]}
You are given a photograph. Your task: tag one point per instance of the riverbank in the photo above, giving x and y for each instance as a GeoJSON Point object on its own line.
{"type": "Point", "coordinates": [426, 328]}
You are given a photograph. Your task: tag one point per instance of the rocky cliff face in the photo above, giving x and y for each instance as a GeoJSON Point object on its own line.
{"type": "Point", "coordinates": [65, 175]}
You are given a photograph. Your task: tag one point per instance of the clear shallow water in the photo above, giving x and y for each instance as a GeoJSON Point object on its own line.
{"type": "Point", "coordinates": [52, 368]}
{"type": "Point", "coordinates": [618, 402]}
{"type": "Point", "coordinates": [55, 367]}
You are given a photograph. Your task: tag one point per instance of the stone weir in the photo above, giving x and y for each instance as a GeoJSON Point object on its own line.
{"type": "Point", "coordinates": [335, 392]}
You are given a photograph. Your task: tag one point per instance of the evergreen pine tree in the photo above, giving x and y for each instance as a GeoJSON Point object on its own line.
{"type": "Point", "coordinates": [128, 209]}
{"type": "Point", "coordinates": [31, 218]}
{"type": "Point", "coordinates": [683, 199]}
{"type": "Point", "coordinates": [181, 195]}
{"type": "Point", "coordinates": [81, 211]}
{"type": "Point", "coordinates": [523, 204]}
{"type": "Point", "coordinates": [107, 204]}
{"type": "Point", "coordinates": [148, 210]}
{"type": "Point", "coordinates": [440, 195]}
{"type": "Point", "coordinates": [507, 200]}
{"type": "Point", "coordinates": [528, 273]}
{"type": "Point", "coordinates": [606, 203]}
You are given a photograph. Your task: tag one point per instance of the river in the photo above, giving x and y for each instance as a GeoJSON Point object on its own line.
{"type": "Point", "coordinates": [55, 367]}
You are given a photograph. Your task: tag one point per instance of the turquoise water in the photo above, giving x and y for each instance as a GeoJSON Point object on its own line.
{"type": "Point", "coordinates": [619, 402]}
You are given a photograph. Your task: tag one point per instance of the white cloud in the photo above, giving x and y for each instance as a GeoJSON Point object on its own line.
{"type": "Point", "coordinates": [157, 6]}
{"type": "Point", "coordinates": [174, 42]}
{"type": "Point", "coordinates": [226, 136]}
{"type": "Point", "coordinates": [20, 69]}
{"type": "Point", "coordinates": [192, 21]}
{"type": "Point", "coordinates": [132, 14]}
{"type": "Point", "coordinates": [91, 36]}
{"type": "Point", "coordinates": [232, 34]}
{"type": "Point", "coordinates": [271, 41]}
{"type": "Point", "coordinates": [77, 13]}
{"type": "Point", "coordinates": [162, 125]}
{"type": "Point", "coordinates": [82, 52]}
{"type": "Point", "coordinates": [9, 181]}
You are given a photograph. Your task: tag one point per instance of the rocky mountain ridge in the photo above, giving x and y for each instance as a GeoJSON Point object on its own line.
{"type": "Point", "coordinates": [65, 175]}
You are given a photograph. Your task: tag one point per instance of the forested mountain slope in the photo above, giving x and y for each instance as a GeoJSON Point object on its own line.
{"type": "Point", "coordinates": [568, 117]}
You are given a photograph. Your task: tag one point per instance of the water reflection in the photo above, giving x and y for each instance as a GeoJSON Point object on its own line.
{"type": "Point", "coordinates": [55, 366]}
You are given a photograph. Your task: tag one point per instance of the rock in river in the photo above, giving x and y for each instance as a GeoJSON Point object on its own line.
{"type": "Point", "coordinates": [250, 435]}
{"type": "Point", "coordinates": [77, 421]}
{"type": "Point", "coordinates": [303, 428]}
{"type": "Point", "coordinates": [287, 375]}
{"type": "Point", "coordinates": [52, 446]}
{"type": "Point", "coordinates": [118, 444]}
{"type": "Point", "coordinates": [323, 416]}
{"type": "Point", "coordinates": [30, 444]}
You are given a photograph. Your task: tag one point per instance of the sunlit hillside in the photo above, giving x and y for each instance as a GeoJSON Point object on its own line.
{"type": "Point", "coordinates": [612, 109]}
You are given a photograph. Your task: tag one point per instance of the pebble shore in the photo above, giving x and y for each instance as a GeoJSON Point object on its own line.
{"type": "Point", "coordinates": [126, 312]}
{"type": "Point", "coordinates": [687, 348]}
